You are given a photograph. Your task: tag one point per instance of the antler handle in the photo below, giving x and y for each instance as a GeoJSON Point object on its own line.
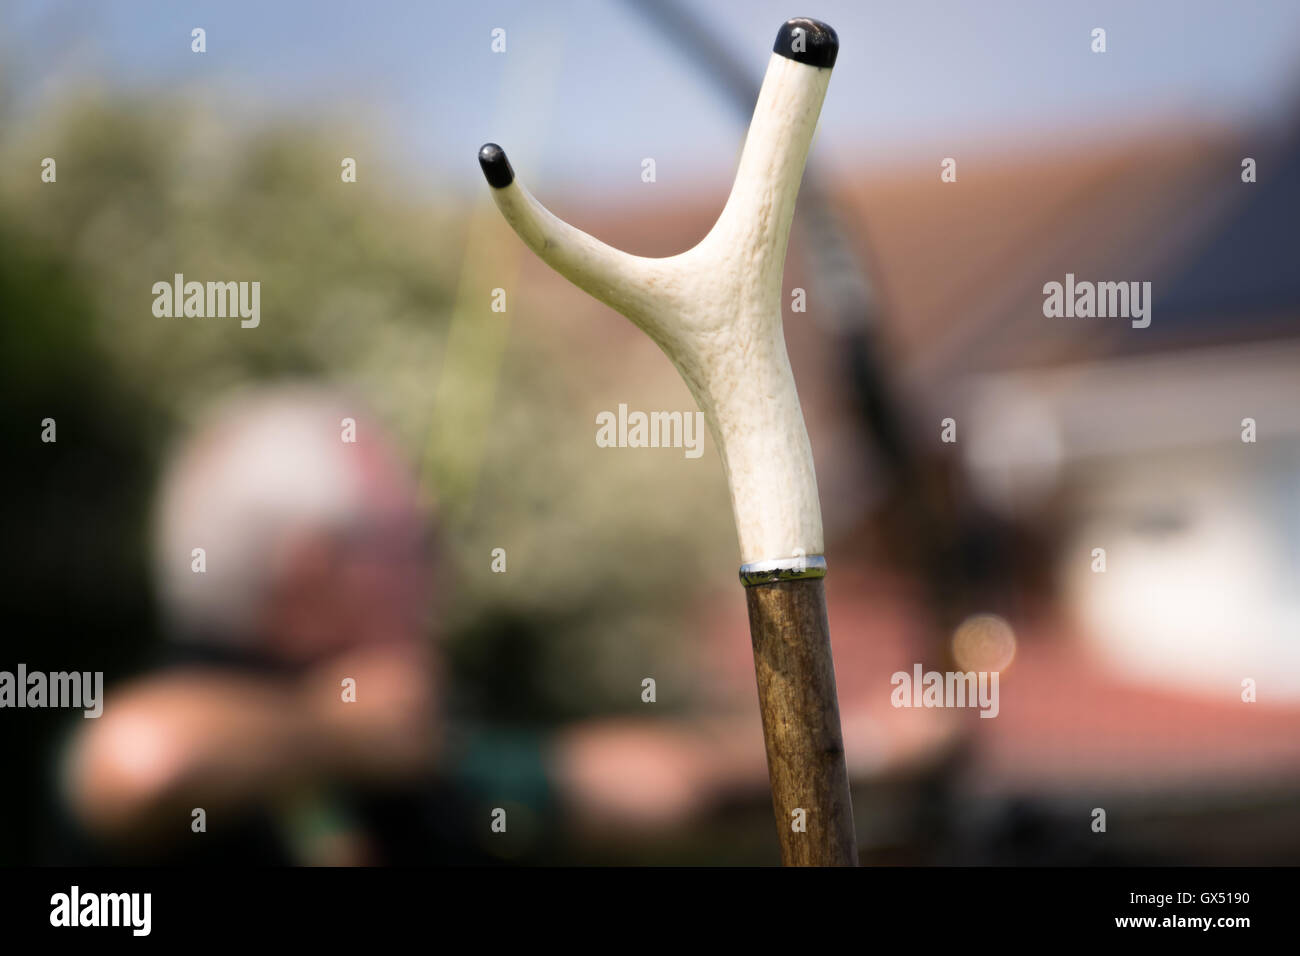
{"type": "Point", "coordinates": [715, 311]}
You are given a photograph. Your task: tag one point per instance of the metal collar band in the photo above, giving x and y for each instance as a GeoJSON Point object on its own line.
{"type": "Point", "coordinates": [785, 569]}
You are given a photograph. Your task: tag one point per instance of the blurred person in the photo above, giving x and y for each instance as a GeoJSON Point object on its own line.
{"type": "Point", "coordinates": [317, 566]}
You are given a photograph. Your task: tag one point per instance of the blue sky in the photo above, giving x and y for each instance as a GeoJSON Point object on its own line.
{"type": "Point", "coordinates": [587, 88]}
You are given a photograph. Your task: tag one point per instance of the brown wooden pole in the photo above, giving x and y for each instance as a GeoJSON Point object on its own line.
{"type": "Point", "coordinates": [801, 722]}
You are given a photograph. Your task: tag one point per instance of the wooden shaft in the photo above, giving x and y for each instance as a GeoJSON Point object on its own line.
{"type": "Point", "coordinates": [801, 722]}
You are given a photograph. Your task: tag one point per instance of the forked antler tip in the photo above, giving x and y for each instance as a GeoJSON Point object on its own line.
{"type": "Point", "coordinates": [496, 168]}
{"type": "Point", "coordinates": [808, 41]}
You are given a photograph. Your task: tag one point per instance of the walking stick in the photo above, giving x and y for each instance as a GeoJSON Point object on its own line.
{"type": "Point", "coordinates": [715, 311]}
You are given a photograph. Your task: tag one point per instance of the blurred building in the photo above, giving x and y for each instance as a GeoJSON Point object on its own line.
{"type": "Point", "coordinates": [1131, 440]}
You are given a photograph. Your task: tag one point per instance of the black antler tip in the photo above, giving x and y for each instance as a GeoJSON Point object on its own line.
{"type": "Point", "coordinates": [807, 41]}
{"type": "Point", "coordinates": [496, 168]}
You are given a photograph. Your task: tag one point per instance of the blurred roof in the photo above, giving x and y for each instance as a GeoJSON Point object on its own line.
{"type": "Point", "coordinates": [962, 265]}
{"type": "Point", "coordinates": [1067, 720]}
{"type": "Point", "coordinates": [1249, 266]}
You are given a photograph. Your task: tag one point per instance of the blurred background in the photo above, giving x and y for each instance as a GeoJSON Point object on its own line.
{"type": "Point", "coordinates": [1120, 690]}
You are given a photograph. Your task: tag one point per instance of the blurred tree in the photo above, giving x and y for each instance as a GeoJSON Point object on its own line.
{"type": "Point", "coordinates": [357, 284]}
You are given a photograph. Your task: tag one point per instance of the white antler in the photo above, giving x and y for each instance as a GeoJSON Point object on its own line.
{"type": "Point", "coordinates": [715, 310]}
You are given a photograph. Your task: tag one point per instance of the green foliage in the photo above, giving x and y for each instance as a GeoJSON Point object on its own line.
{"type": "Point", "coordinates": [359, 283]}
